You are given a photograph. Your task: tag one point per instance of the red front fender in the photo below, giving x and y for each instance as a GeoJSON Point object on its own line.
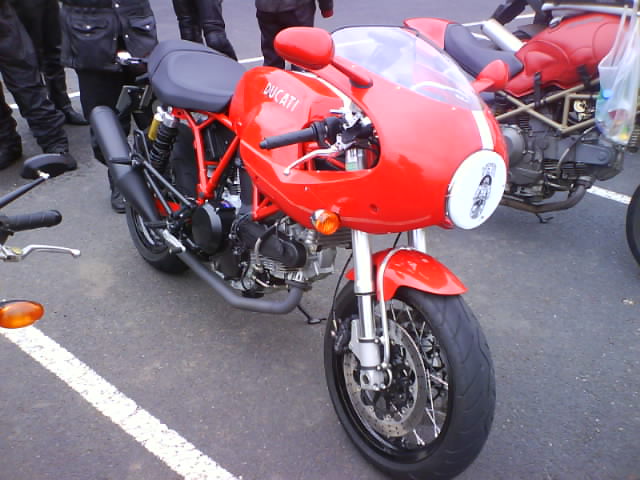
{"type": "Point", "coordinates": [410, 268]}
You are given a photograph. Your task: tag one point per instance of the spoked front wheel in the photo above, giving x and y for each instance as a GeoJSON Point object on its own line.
{"type": "Point", "coordinates": [434, 416]}
{"type": "Point", "coordinates": [633, 225]}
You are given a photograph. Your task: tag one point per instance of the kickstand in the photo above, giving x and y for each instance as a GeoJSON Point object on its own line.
{"type": "Point", "coordinates": [310, 320]}
{"type": "Point", "coordinates": [542, 219]}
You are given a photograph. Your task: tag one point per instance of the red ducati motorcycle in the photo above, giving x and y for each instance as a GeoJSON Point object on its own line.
{"type": "Point", "coordinates": [547, 109]}
{"type": "Point", "coordinates": [253, 180]}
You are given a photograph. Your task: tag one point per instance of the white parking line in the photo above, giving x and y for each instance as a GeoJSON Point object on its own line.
{"type": "Point", "coordinates": [608, 194]}
{"type": "Point", "coordinates": [166, 444]}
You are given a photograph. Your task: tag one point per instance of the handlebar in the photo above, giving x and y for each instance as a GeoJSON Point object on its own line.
{"type": "Point", "coordinates": [319, 131]}
{"type": "Point", "coordinates": [30, 221]}
{"type": "Point", "coordinates": [305, 135]}
{"type": "Point", "coordinates": [10, 224]}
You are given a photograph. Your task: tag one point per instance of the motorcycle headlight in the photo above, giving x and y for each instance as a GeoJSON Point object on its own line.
{"type": "Point", "coordinates": [476, 189]}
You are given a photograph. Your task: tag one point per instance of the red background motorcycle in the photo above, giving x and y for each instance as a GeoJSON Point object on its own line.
{"type": "Point", "coordinates": [547, 109]}
{"type": "Point", "coordinates": [254, 179]}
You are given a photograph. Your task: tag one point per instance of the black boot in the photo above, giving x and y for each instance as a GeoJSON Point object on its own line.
{"type": "Point", "coordinates": [70, 161]}
{"type": "Point", "coordinates": [68, 158]}
{"type": "Point", "coordinates": [219, 41]}
{"type": "Point", "coordinates": [117, 200]}
{"type": "Point", "coordinates": [72, 117]}
{"type": "Point", "coordinates": [10, 152]}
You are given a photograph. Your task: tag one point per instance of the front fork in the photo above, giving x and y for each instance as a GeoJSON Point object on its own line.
{"type": "Point", "coordinates": [365, 342]}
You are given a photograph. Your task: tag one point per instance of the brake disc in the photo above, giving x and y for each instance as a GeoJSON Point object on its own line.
{"type": "Point", "coordinates": [382, 410]}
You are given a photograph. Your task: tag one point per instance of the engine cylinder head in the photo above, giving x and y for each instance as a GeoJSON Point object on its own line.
{"type": "Point", "coordinates": [516, 143]}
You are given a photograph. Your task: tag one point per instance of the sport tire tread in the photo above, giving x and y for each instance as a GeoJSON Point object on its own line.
{"type": "Point", "coordinates": [471, 380]}
{"type": "Point", "coordinates": [160, 259]}
{"type": "Point", "coordinates": [633, 225]}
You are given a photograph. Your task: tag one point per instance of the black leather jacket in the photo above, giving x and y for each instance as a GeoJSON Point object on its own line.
{"type": "Point", "coordinates": [94, 30]}
{"type": "Point", "coordinates": [286, 5]}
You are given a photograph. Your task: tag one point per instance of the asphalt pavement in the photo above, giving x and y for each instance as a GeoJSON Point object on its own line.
{"type": "Point", "coordinates": [559, 303]}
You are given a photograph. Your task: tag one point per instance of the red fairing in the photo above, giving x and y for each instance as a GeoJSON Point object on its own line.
{"type": "Point", "coordinates": [558, 52]}
{"type": "Point", "coordinates": [404, 191]}
{"type": "Point", "coordinates": [433, 28]}
{"type": "Point", "coordinates": [409, 268]}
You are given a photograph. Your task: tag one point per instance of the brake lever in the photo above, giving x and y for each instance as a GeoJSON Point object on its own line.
{"type": "Point", "coordinates": [335, 148]}
{"type": "Point", "coordinates": [16, 254]}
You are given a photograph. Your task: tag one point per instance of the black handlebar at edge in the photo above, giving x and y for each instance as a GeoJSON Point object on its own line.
{"type": "Point", "coordinates": [319, 131]}
{"type": "Point", "coordinates": [305, 135]}
{"type": "Point", "coordinates": [30, 221]}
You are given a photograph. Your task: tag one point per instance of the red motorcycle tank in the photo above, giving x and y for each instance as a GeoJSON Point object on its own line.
{"type": "Point", "coordinates": [561, 52]}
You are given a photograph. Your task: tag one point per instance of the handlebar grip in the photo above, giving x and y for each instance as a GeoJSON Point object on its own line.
{"type": "Point", "coordinates": [29, 221]}
{"type": "Point", "coordinates": [305, 135]}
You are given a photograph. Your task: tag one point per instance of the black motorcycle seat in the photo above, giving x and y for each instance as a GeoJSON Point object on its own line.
{"type": "Point", "coordinates": [192, 76]}
{"type": "Point", "coordinates": [473, 54]}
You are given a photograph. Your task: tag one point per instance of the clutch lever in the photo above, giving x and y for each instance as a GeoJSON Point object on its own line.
{"type": "Point", "coordinates": [337, 147]}
{"type": "Point", "coordinates": [16, 254]}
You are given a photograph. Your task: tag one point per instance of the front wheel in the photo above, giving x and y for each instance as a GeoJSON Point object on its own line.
{"type": "Point", "coordinates": [435, 415]}
{"type": "Point", "coordinates": [633, 225]}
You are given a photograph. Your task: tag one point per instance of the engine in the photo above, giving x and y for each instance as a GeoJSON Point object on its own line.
{"type": "Point", "coordinates": [266, 257]}
{"type": "Point", "coordinates": [541, 161]}
{"type": "Point", "coordinates": [257, 257]}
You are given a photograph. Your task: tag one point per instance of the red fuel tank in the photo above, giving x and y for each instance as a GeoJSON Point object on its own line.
{"type": "Point", "coordinates": [560, 52]}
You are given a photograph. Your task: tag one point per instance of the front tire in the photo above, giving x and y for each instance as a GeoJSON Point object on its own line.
{"type": "Point", "coordinates": [633, 225]}
{"type": "Point", "coordinates": [435, 416]}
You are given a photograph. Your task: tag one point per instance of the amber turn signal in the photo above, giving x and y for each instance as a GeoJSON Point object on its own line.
{"type": "Point", "coordinates": [325, 222]}
{"type": "Point", "coordinates": [19, 313]}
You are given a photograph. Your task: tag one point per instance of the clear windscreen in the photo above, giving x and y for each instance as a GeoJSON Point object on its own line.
{"type": "Point", "coordinates": [400, 56]}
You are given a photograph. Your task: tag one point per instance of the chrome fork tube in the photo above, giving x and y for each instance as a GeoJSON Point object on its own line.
{"type": "Point", "coordinates": [417, 239]}
{"type": "Point", "coordinates": [364, 286]}
{"type": "Point", "coordinates": [364, 342]}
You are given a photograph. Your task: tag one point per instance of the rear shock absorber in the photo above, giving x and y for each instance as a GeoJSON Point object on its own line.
{"type": "Point", "coordinates": [163, 131]}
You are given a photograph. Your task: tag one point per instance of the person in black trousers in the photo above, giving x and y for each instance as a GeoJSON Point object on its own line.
{"type": "Point", "coordinates": [92, 33]}
{"type": "Point", "coordinates": [510, 9]}
{"type": "Point", "coordinates": [41, 19]}
{"type": "Point", "coordinates": [276, 15]}
{"type": "Point", "coordinates": [21, 76]}
{"type": "Point", "coordinates": [198, 17]}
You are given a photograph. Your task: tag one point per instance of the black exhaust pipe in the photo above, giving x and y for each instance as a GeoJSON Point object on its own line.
{"type": "Point", "coordinates": [571, 200]}
{"type": "Point", "coordinates": [259, 305]}
{"type": "Point", "coordinates": [115, 148]}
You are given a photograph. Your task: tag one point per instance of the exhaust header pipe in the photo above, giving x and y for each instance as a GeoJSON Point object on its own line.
{"type": "Point", "coordinates": [115, 148]}
{"type": "Point", "coordinates": [569, 202]}
{"type": "Point", "coordinates": [259, 305]}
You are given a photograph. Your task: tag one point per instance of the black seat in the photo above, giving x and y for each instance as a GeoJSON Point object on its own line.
{"type": "Point", "coordinates": [191, 76]}
{"type": "Point", "coordinates": [472, 54]}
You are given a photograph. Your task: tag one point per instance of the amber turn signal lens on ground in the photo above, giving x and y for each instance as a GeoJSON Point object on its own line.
{"type": "Point", "coordinates": [325, 222]}
{"type": "Point", "coordinates": [19, 313]}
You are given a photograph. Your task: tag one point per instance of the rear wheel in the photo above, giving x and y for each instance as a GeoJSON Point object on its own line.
{"type": "Point", "coordinates": [150, 245]}
{"type": "Point", "coordinates": [633, 225]}
{"type": "Point", "coordinates": [434, 417]}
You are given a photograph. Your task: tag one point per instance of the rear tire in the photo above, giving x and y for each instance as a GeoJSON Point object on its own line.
{"type": "Point", "coordinates": [633, 225]}
{"type": "Point", "coordinates": [151, 246]}
{"type": "Point", "coordinates": [435, 416]}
